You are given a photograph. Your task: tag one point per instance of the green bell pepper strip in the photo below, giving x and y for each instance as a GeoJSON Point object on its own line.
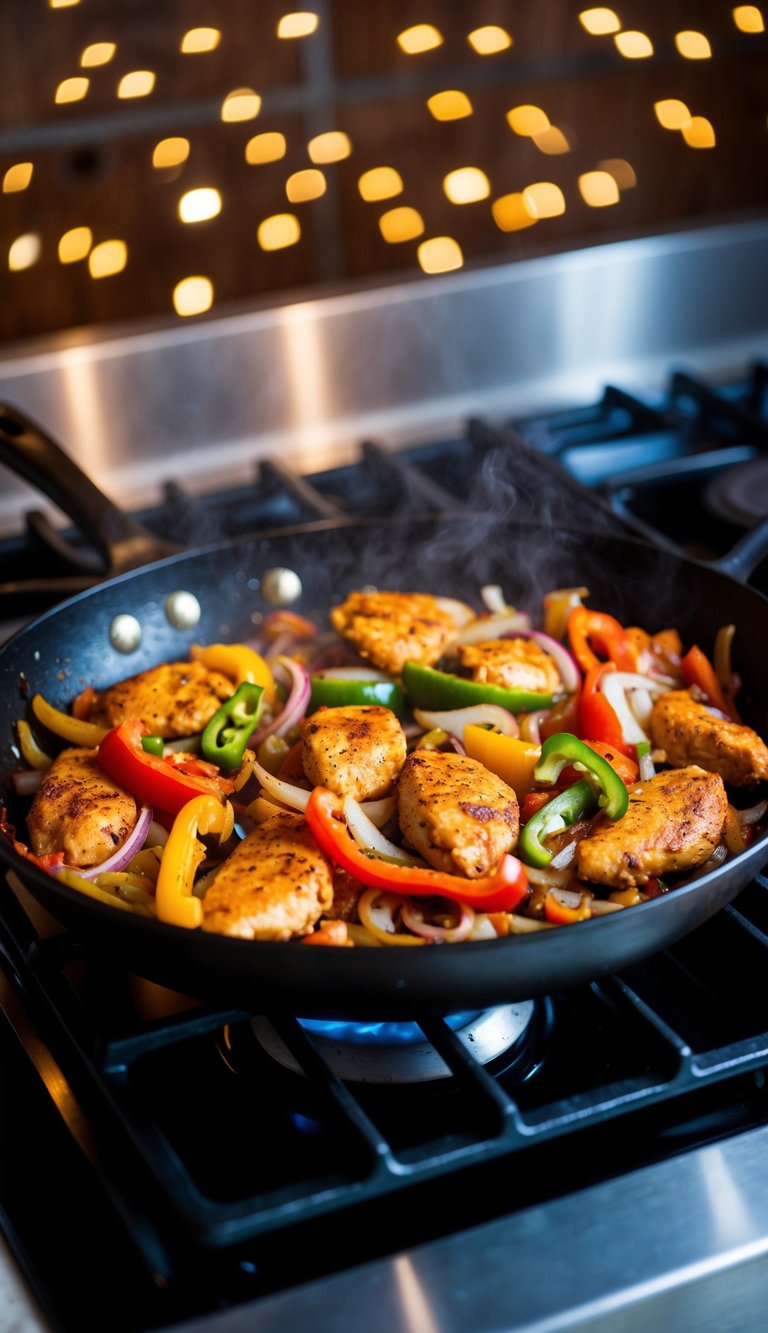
{"type": "Point", "coordinates": [563, 749]}
{"type": "Point", "coordinates": [229, 730]}
{"type": "Point", "coordinates": [330, 692]}
{"type": "Point", "coordinates": [153, 745]}
{"type": "Point", "coordinates": [557, 814]}
{"type": "Point", "coordinates": [428, 688]}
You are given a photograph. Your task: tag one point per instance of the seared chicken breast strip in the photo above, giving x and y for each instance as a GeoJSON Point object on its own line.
{"type": "Point", "coordinates": [514, 663]}
{"type": "Point", "coordinates": [355, 751]}
{"type": "Point", "coordinates": [673, 823]}
{"type": "Point", "coordinates": [176, 699]}
{"type": "Point", "coordinates": [456, 814]}
{"type": "Point", "coordinates": [391, 628]}
{"type": "Point", "coordinates": [79, 811]}
{"type": "Point", "coordinates": [275, 885]}
{"type": "Point", "coordinates": [689, 734]}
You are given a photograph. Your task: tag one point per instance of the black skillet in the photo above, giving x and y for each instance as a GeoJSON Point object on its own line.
{"type": "Point", "coordinates": [70, 646]}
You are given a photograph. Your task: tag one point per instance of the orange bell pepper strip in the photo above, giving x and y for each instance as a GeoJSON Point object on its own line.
{"type": "Point", "coordinates": [558, 914]}
{"type": "Point", "coordinates": [240, 663]}
{"type": "Point", "coordinates": [182, 854]}
{"type": "Point", "coordinates": [596, 719]}
{"type": "Point", "coordinates": [501, 892]}
{"type": "Point", "coordinates": [698, 670]}
{"type": "Point", "coordinates": [608, 635]}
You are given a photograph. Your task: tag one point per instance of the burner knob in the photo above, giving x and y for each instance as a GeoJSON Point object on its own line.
{"type": "Point", "coordinates": [125, 634]}
{"type": "Point", "coordinates": [281, 586]}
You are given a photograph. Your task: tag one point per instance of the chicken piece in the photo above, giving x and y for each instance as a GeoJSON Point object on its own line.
{"type": "Point", "coordinates": [460, 817]}
{"type": "Point", "coordinates": [356, 751]}
{"type": "Point", "coordinates": [175, 699]}
{"type": "Point", "coordinates": [391, 628]}
{"type": "Point", "coordinates": [674, 822]}
{"type": "Point", "coordinates": [689, 734]}
{"type": "Point", "coordinates": [275, 885]}
{"type": "Point", "coordinates": [514, 663]}
{"type": "Point", "coordinates": [79, 811]}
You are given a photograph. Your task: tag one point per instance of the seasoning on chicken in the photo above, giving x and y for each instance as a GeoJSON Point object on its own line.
{"type": "Point", "coordinates": [275, 886]}
{"type": "Point", "coordinates": [79, 811]}
{"type": "Point", "coordinates": [390, 628]}
{"type": "Point", "coordinates": [674, 822]}
{"type": "Point", "coordinates": [355, 751]}
{"type": "Point", "coordinates": [457, 815]}
{"type": "Point", "coordinates": [176, 699]}
{"type": "Point", "coordinates": [690, 734]}
{"type": "Point", "coordinates": [514, 663]}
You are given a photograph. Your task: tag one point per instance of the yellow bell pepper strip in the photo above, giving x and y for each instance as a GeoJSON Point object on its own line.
{"type": "Point", "coordinates": [428, 688]}
{"type": "Point", "coordinates": [563, 750]}
{"type": "Point", "coordinates": [556, 815]}
{"type": "Point", "coordinates": [69, 728]}
{"type": "Point", "coordinates": [182, 855]}
{"type": "Point", "coordinates": [238, 662]}
{"type": "Point", "coordinates": [231, 727]}
{"type": "Point", "coordinates": [86, 886]}
{"type": "Point", "coordinates": [510, 758]}
{"type": "Point", "coordinates": [496, 893]}
{"type": "Point", "coordinates": [153, 780]}
{"type": "Point", "coordinates": [33, 755]}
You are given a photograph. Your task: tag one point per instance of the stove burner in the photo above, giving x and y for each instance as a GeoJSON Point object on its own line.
{"type": "Point", "coordinates": [740, 494]}
{"type": "Point", "coordinates": [398, 1052]}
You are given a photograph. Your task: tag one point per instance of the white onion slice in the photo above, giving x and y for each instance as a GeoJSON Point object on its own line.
{"type": "Point", "coordinates": [567, 898]}
{"type": "Point", "coordinates": [295, 705]}
{"type": "Point", "coordinates": [646, 767]}
{"type": "Point", "coordinates": [353, 673]}
{"type": "Point", "coordinates": [548, 878]}
{"type": "Point", "coordinates": [454, 720]}
{"type": "Point", "coordinates": [483, 928]}
{"type": "Point", "coordinates": [615, 685]}
{"type": "Point", "coordinates": [565, 856]}
{"type": "Point", "coordinates": [459, 612]}
{"type": "Point", "coordinates": [494, 627]}
{"type": "Point", "coordinates": [753, 814]}
{"type": "Point", "coordinates": [602, 907]}
{"type": "Point", "coordinates": [379, 811]}
{"type": "Point", "coordinates": [413, 919]}
{"type": "Point", "coordinates": [157, 836]}
{"type": "Point", "coordinates": [530, 727]}
{"type": "Point", "coordinates": [367, 836]}
{"type": "Point", "coordinates": [133, 844]}
{"type": "Point", "coordinates": [285, 792]}
{"type": "Point", "coordinates": [641, 703]}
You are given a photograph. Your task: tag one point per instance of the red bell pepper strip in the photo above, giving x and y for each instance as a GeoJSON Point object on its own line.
{"type": "Point", "coordinates": [501, 892]}
{"type": "Point", "coordinates": [587, 628]}
{"type": "Point", "coordinates": [597, 720]}
{"type": "Point", "coordinates": [698, 670]}
{"type": "Point", "coordinates": [151, 779]}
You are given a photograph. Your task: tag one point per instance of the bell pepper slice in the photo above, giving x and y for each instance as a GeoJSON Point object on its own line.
{"type": "Point", "coordinates": [559, 913]}
{"type": "Point", "coordinates": [556, 815]}
{"type": "Point", "coordinates": [330, 692]}
{"type": "Point", "coordinates": [240, 663]}
{"type": "Point", "coordinates": [231, 727]}
{"type": "Point", "coordinates": [608, 635]}
{"type": "Point", "coordinates": [697, 669]}
{"type": "Point", "coordinates": [596, 719]}
{"type": "Point", "coordinates": [563, 749]}
{"type": "Point", "coordinates": [63, 724]}
{"type": "Point", "coordinates": [151, 779]}
{"type": "Point", "coordinates": [182, 854]}
{"type": "Point", "coordinates": [501, 892]}
{"type": "Point", "coordinates": [510, 758]}
{"type": "Point", "coordinates": [620, 763]}
{"type": "Point", "coordinates": [428, 688]}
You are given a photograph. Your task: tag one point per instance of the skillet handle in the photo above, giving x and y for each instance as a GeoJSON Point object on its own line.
{"type": "Point", "coordinates": [120, 539]}
{"type": "Point", "coordinates": [744, 558]}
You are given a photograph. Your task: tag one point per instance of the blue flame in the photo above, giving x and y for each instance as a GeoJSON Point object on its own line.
{"type": "Point", "coordinates": [377, 1034]}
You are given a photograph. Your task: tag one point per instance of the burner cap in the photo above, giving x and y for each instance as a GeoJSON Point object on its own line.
{"type": "Point", "coordinates": [740, 494]}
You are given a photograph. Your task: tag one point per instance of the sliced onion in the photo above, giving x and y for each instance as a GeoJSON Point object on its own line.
{"type": "Point", "coordinates": [753, 814]}
{"type": "Point", "coordinates": [549, 878]}
{"type": "Point", "coordinates": [646, 769]}
{"type": "Point", "coordinates": [527, 925]}
{"type": "Point", "coordinates": [483, 928]}
{"type": "Point", "coordinates": [367, 835]}
{"type": "Point", "coordinates": [530, 727]}
{"type": "Point", "coordinates": [295, 705]}
{"type": "Point", "coordinates": [157, 836]}
{"type": "Point", "coordinates": [641, 703]}
{"type": "Point", "coordinates": [565, 856]}
{"type": "Point", "coordinates": [602, 907]}
{"type": "Point", "coordinates": [379, 811]}
{"type": "Point", "coordinates": [285, 792]}
{"type": "Point", "coordinates": [459, 612]}
{"type": "Point", "coordinates": [565, 663]}
{"type": "Point", "coordinates": [493, 599]}
{"type": "Point", "coordinates": [494, 627]}
{"type": "Point", "coordinates": [412, 917]}
{"type": "Point", "coordinates": [377, 911]}
{"type": "Point", "coordinates": [354, 673]}
{"type": "Point", "coordinates": [567, 898]}
{"type": "Point", "coordinates": [615, 685]}
{"type": "Point", "coordinates": [133, 844]}
{"type": "Point", "coordinates": [712, 862]}
{"type": "Point", "coordinates": [28, 781]}
{"type": "Point", "coordinates": [454, 720]}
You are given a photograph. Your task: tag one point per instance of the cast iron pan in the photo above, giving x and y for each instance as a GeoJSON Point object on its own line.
{"type": "Point", "coordinates": [70, 646]}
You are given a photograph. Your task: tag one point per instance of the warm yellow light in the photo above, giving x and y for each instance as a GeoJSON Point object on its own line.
{"type": "Point", "coordinates": [139, 83]}
{"type": "Point", "coordinates": [622, 171]}
{"type": "Point", "coordinates": [599, 21]}
{"type": "Point", "coordinates": [199, 205]}
{"type": "Point", "coordinates": [671, 113]}
{"type": "Point", "coordinates": [72, 90]}
{"type": "Point", "coordinates": [748, 18]}
{"type": "Point", "coordinates": [269, 147]}
{"type": "Point", "coordinates": [693, 45]}
{"type": "Point", "coordinates": [241, 104]}
{"type": "Point", "coordinates": [510, 213]}
{"type": "Point", "coordinates": [17, 177]}
{"type": "Point", "coordinates": [200, 39]}
{"type": "Point", "coordinates": [544, 200]}
{"type": "Point", "coordinates": [440, 254]}
{"type": "Point", "coordinates": [24, 252]}
{"type": "Point", "coordinates": [422, 37]}
{"type": "Point", "coordinates": [401, 224]}
{"type": "Point", "coordinates": [466, 185]}
{"type": "Point", "coordinates": [551, 141]}
{"type": "Point", "coordinates": [633, 45]}
{"type": "Point", "coordinates": [277, 232]}
{"type": "Point", "coordinates": [598, 189]}
{"type": "Point", "coordinates": [490, 39]}
{"type": "Point", "coordinates": [305, 185]}
{"type": "Point", "coordinates": [170, 152]}
{"type": "Point", "coordinates": [333, 146]}
{"type": "Point", "coordinates": [75, 244]}
{"type": "Point", "coordinates": [449, 105]}
{"type": "Point", "coordinates": [62, 4]}
{"type": "Point", "coordinates": [300, 24]}
{"type": "Point", "coordinates": [107, 259]}
{"type": "Point", "coordinates": [699, 133]}
{"type": "Point", "coordinates": [98, 53]}
{"type": "Point", "coordinates": [193, 296]}
{"type": "Point", "coordinates": [527, 120]}
{"type": "Point", "coordinates": [380, 183]}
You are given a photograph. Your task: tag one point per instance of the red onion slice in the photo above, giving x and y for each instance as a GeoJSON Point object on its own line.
{"type": "Point", "coordinates": [565, 663]}
{"type": "Point", "coordinates": [133, 844]}
{"type": "Point", "coordinates": [295, 705]}
{"type": "Point", "coordinates": [411, 916]}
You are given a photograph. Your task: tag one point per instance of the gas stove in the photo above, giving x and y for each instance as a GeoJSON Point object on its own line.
{"type": "Point", "coordinates": [565, 1163]}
